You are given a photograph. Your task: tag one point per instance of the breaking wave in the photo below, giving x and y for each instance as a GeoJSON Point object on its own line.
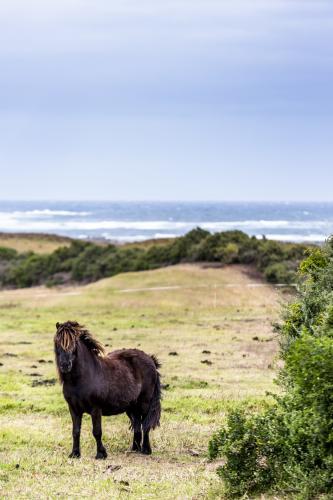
{"type": "Point", "coordinates": [141, 221]}
{"type": "Point", "coordinates": [44, 213]}
{"type": "Point", "coordinates": [52, 220]}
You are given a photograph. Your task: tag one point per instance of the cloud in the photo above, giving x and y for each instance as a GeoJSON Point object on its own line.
{"type": "Point", "coordinates": [55, 26]}
{"type": "Point", "coordinates": [165, 56]}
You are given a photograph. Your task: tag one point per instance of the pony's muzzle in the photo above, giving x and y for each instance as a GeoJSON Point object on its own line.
{"type": "Point", "coordinates": [65, 367]}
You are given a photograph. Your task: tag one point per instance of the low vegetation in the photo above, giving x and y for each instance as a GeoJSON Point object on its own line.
{"type": "Point", "coordinates": [287, 448]}
{"type": "Point", "coordinates": [84, 262]}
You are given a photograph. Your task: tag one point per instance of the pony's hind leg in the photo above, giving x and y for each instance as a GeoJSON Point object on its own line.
{"type": "Point", "coordinates": [137, 438]}
{"type": "Point", "coordinates": [146, 448]}
{"type": "Point", "coordinates": [96, 417]}
{"type": "Point", "coordinates": [137, 432]}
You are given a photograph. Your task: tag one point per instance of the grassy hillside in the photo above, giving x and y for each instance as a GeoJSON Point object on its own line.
{"type": "Point", "coordinates": [38, 243]}
{"type": "Point", "coordinates": [217, 323]}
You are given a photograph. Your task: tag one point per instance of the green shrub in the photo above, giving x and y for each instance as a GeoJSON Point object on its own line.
{"type": "Point", "coordinates": [316, 261]}
{"type": "Point", "coordinates": [270, 252]}
{"type": "Point", "coordinates": [32, 270]}
{"type": "Point", "coordinates": [7, 254]}
{"type": "Point", "coordinates": [230, 253]}
{"type": "Point", "coordinates": [250, 447]}
{"type": "Point", "coordinates": [279, 273]}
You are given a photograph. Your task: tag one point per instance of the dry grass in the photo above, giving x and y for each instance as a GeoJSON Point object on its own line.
{"type": "Point", "coordinates": [39, 243]}
{"type": "Point", "coordinates": [232, 323]}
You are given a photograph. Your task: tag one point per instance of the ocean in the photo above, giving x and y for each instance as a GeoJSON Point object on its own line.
{"type": "Point", "coordinates": [139, 221]}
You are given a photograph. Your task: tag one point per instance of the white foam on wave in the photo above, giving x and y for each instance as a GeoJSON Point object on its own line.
{"type": "Point", "coordinates": [165, 235]}
{"type": "Point", "coordinates": [266, 224]}
{"type": "Point", "coordinates": [125, 239]}
{"type": "Point", "coordinates": [295, 238]}
{"type": "Point", "coordinates": [20, 214]}
{"type": "Point", "coordinates": [136, 237]}
{"type": "Point", "coordinates": [15, 223]}
{"type": "Point", "coordinates": [17, 220]}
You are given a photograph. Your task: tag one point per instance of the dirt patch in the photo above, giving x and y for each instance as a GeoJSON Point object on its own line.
{"type": "Point", "coordinates": [50, 381]}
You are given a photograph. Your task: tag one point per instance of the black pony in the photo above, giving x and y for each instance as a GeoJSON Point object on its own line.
{"type": "Point", "coordinates": [126, 380]}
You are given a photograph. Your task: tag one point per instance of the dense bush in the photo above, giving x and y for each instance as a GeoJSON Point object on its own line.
{"type": "Point", "coordinates": [279, 273]}
{"type": "Point", "coordinates": [249, 445]}
{"type": "Point", "coordinates": [7, 254]}
{"type": "Point", "coordinates": [86, 261]}
{"type": "Point", "coordinates": [288, 446]}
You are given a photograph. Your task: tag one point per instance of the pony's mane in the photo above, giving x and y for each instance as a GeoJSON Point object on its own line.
{"type": "Point", "coordinates": [69, 333]}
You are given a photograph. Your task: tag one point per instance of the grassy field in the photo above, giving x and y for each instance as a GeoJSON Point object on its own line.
{"type": "Point", "coordinates": [39, 243]}
{"type": "Point", "coordinates": [225, 350]}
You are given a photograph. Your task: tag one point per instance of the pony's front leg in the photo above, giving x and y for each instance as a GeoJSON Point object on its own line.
{"type": "Point", "coordinates": [76, 419]}
{"type": "Point", "coordinates": [96, 417]}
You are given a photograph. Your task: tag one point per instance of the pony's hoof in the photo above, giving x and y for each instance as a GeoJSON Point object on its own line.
{"type": "Point", "coordinates": [146, 451]}
{"type": "Point", "coordinates": [74, 454]}
{"type": "Point", "coordinates": [101, 455]}
{"type": "Point", "coordinates": [135, 449]}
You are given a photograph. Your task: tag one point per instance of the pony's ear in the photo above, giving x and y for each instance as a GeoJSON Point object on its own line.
{"type": "Point", "coordinates": [57, 325]}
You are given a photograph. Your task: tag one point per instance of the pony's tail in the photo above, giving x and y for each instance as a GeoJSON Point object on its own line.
{"type": "Point", "coordinates": [156, 361]}
{"type": "Point", "coordinates": [152, 419]}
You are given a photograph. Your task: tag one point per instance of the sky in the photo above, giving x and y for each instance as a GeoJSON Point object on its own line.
{"type": "Point", "coordinates": [166, 100]}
